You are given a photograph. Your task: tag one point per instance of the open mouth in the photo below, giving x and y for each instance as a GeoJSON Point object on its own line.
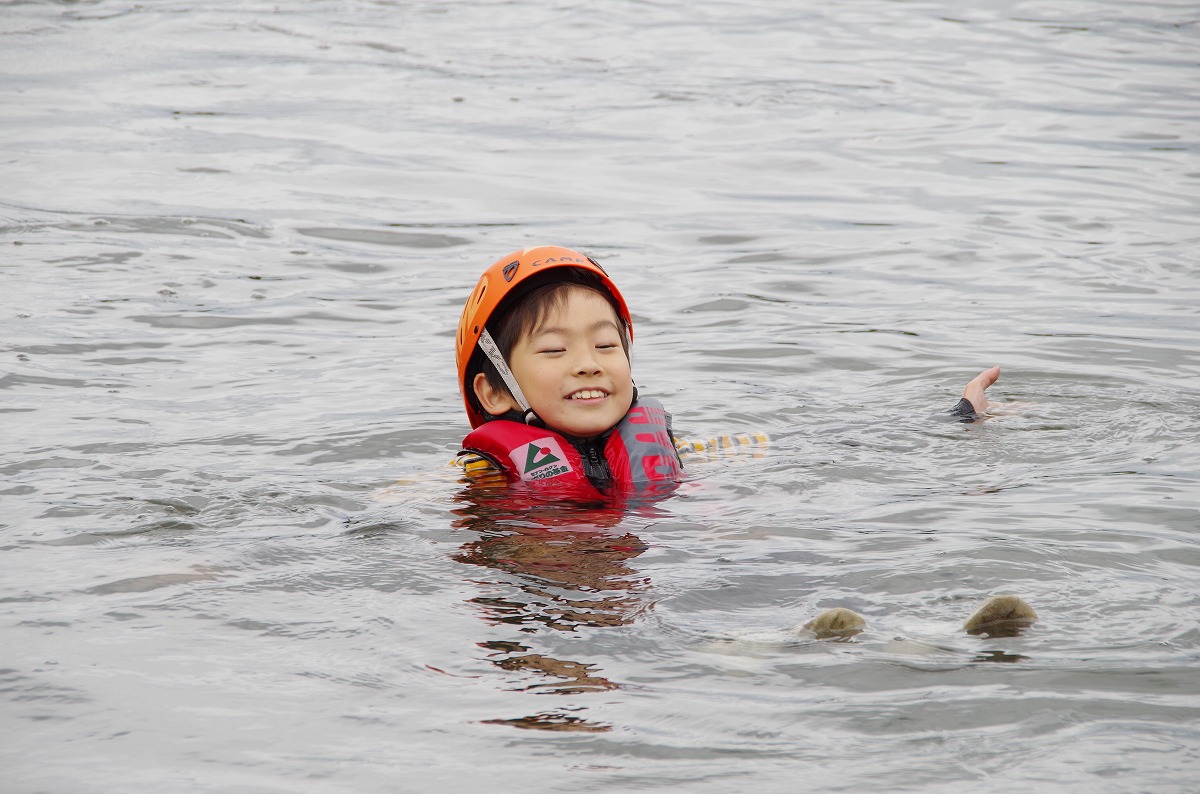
{"type": "Point", "coordinates": [587, 394]}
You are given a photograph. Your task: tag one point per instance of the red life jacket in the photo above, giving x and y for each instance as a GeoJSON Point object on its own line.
{"type": "Point", "coordinates": [639, 451]}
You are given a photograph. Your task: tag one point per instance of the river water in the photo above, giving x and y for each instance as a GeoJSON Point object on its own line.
{"type": "Point", "coordinates": [235, 240]}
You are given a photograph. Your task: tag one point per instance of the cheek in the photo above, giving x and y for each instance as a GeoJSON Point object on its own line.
{"type": "Point", "coordinates": [526, 366]}
{"type": "Point", "coordinates": [540, 379]}
{"type": "Point", "coordinates": [543, 371]}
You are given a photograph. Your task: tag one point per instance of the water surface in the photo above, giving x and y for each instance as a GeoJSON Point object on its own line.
{"type": "Point", "coordinates": [236, 238]}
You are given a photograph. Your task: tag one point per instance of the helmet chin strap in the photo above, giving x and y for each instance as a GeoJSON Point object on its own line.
{"type": "Point", "coordinates": [492, 351]}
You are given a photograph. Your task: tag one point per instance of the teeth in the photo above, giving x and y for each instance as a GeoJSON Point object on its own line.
{"type": "Point", "coordinates": [587, 394]}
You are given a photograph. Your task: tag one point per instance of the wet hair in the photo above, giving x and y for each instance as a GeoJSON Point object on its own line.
{"type": "Point", "coordinates": [522, 313]}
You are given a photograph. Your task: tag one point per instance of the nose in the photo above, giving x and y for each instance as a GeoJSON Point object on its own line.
{"type": "Point", "coordinates": [586, 361]}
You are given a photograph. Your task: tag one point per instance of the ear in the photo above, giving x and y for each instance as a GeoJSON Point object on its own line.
{"type": "Point", "coordinates": [495, 401]}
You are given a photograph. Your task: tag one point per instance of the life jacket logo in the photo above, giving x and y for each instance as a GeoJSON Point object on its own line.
{"type": "Point", "coordinates": [540, 459]}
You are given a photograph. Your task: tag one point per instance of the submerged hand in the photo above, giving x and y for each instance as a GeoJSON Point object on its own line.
{"type": "Point", "coordinates": [976, 388]}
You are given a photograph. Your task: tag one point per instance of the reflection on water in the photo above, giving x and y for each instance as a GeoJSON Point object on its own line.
{"type": "Point", "coordinates": [553, 721]}
{"type": "Point", "coordinates": [565, 566]}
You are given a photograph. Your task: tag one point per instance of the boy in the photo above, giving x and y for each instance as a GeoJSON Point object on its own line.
{"type": "Point", "coordinates": [543, 365]}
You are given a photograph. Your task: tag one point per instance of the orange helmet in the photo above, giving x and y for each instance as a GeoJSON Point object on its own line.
{"type": "Point", "coordinates": [501, 281]}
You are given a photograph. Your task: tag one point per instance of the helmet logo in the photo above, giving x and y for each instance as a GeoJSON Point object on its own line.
{"type": "Point", "coordinates": [554, 260]}
{"type": "Point", "coordinates": [510, 270]}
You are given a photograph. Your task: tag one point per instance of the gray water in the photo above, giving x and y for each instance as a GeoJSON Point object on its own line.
{"type": "Point", "coordinates": [236, 238]}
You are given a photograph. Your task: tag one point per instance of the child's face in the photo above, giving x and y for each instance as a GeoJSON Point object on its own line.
{"type": "Point", "coordinates": [573, 369]}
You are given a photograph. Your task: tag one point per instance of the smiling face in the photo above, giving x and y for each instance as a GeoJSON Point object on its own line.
{"type": "Point", "coordinates": [571, 367]}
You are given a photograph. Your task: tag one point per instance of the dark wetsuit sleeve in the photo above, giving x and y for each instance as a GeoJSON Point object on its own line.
{"type": "Point", "coordinates": [674, 441]}
{"type": "Point", "coordinates": [964, 411]}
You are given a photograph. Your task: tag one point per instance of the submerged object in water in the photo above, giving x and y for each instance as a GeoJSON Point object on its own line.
{"type": "Point", "coordinates": [1001, 616]}
{"type": "Point", "coordinates": [836, 622]}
